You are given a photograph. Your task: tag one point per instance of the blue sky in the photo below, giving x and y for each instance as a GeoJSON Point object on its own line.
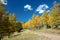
{"type": "Point", "coordinates": [24, 9]}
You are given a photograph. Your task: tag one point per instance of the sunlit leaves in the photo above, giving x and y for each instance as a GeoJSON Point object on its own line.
{"type": "Point", "coordinates": [51, 19]}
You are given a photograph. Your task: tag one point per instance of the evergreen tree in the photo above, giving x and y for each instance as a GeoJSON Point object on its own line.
{"type": "Point", "coordinates": [1, 24]}
{"type": "Point", "coordinates": [12, 21]}
{"type": "Point", "coordinates": [19, 26]}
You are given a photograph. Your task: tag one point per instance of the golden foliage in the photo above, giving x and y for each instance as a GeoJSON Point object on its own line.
{"type": "Point", "coordinates": [51, 18]}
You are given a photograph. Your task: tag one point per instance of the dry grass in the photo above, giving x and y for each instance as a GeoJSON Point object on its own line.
{"type": "Point", "coordinates": [53, 31]}
{"type": "Point", "coordinates": [27, 35]}
{"type": "Point", "coordinates": [43, 34]}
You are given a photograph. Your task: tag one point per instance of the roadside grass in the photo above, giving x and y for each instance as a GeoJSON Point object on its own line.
{"type": "Point", "coordinates": [54, 31]}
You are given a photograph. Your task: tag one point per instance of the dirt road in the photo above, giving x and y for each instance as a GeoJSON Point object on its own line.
{"type": "Point", "coordinates": [51, 36]}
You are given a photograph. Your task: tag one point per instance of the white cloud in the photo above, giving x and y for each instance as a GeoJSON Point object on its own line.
{"type": "Point", "coordinates": [4, 2]}
{"type": "Point", "coordinates": [41, 8]}
{"type": "Point", "coordinates": [48, 11]}
{"type": "Point", "coordinates": [28, 7]}
{"type": "Point", "coordinates": [40, 11]}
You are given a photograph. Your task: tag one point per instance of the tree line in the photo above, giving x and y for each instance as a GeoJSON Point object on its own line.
{"type": "Point", "coordinates": [46, 20]}
{"type": "Point", "coordinates": [8, 23]}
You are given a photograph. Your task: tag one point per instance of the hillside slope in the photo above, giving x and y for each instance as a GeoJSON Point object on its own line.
{"type": "Point", "coordinates": [33, 35]}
